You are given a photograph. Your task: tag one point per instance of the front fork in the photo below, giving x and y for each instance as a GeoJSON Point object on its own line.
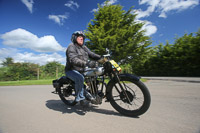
{"type": "Point", "coordinates": [123, 87]}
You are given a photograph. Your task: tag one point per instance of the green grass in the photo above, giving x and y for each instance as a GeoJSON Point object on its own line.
{"type": "Point", "coordinates": [26, 82]}
{"type": "Point", "coordinates": [143, 80]}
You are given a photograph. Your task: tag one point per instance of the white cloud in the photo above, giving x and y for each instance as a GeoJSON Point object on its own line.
{"type": "Point", "coordinates": [40, 59]}
{"type": "Point", "coordinates": [59, 19]}
{"type": "Point", "coordinates": [164, 6]}
{"type": "Point", "coordinates": [71, 4]}
{"type": "Point", "coordinates": [175, 5]}
{"type": "Point", "coordinates": [29, 4]}
{"type": "Point", "coordinates": [21, 38]}
{"type": "Point", "coordinates": [110, 2]}
{"type": "Point", "coordinates": [94, 10]}
{"type": "Point", "coordinates": [7, 52]}
{"type": "Point", "coordinates": [150, 28]}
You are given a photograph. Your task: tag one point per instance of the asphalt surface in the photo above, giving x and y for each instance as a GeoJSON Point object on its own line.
{"type": "Point", "coordinates": [175, 108]}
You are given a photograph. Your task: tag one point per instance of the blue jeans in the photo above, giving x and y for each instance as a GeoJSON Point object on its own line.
{"type": "Point", "coordinates": [78, 79]}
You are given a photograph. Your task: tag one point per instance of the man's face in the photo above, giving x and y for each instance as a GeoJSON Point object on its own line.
{"type": "Point", "coordinates": [80, 40]}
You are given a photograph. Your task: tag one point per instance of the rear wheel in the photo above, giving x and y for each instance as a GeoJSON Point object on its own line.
{"type": "Point", "coordinates": [133, 100]}
{"type": "Point", "coordinates": [67, 94]}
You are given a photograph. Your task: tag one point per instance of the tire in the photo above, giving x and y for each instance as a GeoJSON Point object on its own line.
{"type": "Point", "coordinates": [67, 94]}
{"type": "Point", "coordinates": [138, 101]}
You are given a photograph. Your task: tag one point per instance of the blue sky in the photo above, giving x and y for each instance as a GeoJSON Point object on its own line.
{"type": "Point", "coordinates": [39, 31]}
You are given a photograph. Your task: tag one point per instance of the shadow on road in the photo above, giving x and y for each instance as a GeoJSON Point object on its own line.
{"type": "Point", "coordinates": [58, 105]}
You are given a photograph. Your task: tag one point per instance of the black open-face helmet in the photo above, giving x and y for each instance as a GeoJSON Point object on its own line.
{"type": "Point", "coordinates": [76, 34]}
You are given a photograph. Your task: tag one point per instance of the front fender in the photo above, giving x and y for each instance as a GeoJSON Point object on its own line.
{"type": "Point", "coordinates": [113, 81]}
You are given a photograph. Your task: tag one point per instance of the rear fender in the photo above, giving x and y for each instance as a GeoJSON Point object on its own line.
{"type": "Point", "coordinates": [62, 80]}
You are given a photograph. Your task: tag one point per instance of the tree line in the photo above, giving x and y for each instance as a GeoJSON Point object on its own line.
{"type": "Point", "coordinates": [119, 31]}
{"type": "Point", "coordinates": [178, 59]}
{"type": "Point", "coordinates": [25, 71]}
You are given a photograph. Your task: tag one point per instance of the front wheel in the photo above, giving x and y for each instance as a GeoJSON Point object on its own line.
{"type": "Point", "coordinates": [129, 97]}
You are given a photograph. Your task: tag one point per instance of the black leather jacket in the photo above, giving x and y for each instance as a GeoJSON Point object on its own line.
{"type": "Point", "coordinates": [77, 57]}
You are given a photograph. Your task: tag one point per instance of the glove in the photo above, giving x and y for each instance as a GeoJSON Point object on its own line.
{"type": "Point", "coordinates": [91, 64]}
{"type": "Point", "coordinates": [102, 60]}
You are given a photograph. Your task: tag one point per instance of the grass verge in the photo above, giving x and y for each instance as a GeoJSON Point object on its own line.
{"type": "Point", "coordinates": [33, 82]}
{"type": "Point", "coordinates": [26, 82]}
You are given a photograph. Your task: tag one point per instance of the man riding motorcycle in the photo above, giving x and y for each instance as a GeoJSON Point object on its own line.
{"type": "Point", "coordinates": [77, 55]}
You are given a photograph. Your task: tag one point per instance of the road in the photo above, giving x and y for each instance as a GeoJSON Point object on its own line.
{"type": "Point", "coordinates": [175, 108]}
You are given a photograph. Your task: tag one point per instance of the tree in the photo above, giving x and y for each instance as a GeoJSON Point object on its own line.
{"type": "Point", "coordinates": [21, 71]}
{"type": "Point", "coordinates": [8, 61]}
{"type": "Point", "coordinates": [118, 30]}
{"type": "Point", "coordinates": [51, 69]}
{"type": "Point", "coordinates": [187, 53]}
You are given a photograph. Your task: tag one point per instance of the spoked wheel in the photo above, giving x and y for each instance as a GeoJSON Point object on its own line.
{"type": "Point", "coordinates": [67, 94]}
{"type": "Point", "coordinates": [133, 100]}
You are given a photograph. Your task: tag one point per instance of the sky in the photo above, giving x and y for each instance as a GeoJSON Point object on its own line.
{"type": "Point", "coordinates": [39, 31]}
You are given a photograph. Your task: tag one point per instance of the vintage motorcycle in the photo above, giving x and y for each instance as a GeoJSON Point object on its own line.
{"type": "Point", "coordinates": [125, 92]}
